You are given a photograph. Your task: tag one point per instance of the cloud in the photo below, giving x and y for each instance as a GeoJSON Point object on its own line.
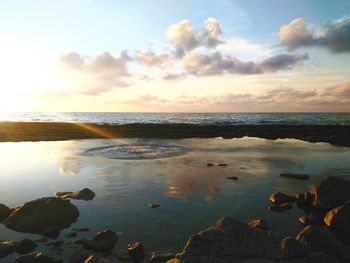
{"type": "Point", "coordinates": [334, 35]}
{"type": "Point", "coordinates": [218, 64]}
{"type": "Point", "coordinates": [153, 60]}
{"type": "Point", "coordinates": [341, 90]}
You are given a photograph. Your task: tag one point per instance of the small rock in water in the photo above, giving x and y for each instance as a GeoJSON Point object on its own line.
{"type": "Point", "coordinates": [5, 211]}
{"type": "Point", "coordinates": [233, 178]}
{"type": "Point", "coordinates": [161, 257]}
{"type": "Point", "coordinates": [296, 176]}
{"type": "Point", "coordinates": [7, 247]}
{"type": "Point", "coordinates": [279, 198]}
{"type": "Point", "coordinates": [286, 206]}
{"type": "Point", "coordinates": [259, 223]}
{"type": "Point", "coordinates": [276, 208]}
{"type": "Point", "coordinates": [103, 241]}
{"type": "Point", "coordinates": [216, 164]}
{"type": "Point", "coordinates": [136, 252]}
{"type": "Point", "coordinates": [85, 194]}
{"type": "Point", "coordinates": [153, 205]}
{"type": "Point", "coordinates": [25, 246]}
{"type": "Point", "coordinates": [85, 229]}
{"type": "Point", "coordinates": [71, 234]}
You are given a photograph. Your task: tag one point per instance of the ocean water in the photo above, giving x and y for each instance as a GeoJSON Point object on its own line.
{"type": "Point", "coordinates": [193, 118]}
{"type": "Point", "coordinates": [127, 174]}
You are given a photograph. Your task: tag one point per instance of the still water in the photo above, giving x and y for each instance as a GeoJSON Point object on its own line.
{"type": "Point", "coordinates": [127, 174]}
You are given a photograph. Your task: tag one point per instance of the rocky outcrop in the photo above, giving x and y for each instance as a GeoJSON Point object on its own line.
{"type": "Point", "coordinates": [103, 241]}
{"type": "Point", "coordinates": [85, 194]}
{"type": "Point", "coordinates": [330, 193]}
{"type": "Point", "coordinates": [4, 211]}
{"type": "Point", "coordinates": [42, 216]}
{"type": "Point", "coordinates": [338, 221]}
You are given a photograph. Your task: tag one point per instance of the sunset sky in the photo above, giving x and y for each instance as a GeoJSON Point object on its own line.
{"type": "Point", "coordinates": [167, 55]}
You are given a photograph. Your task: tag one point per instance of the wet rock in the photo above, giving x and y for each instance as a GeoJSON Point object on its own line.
{"type": "Point", "coordinates": [320, 239]}
{"type": "Point", "coordinates": [124, 255]}
{"type": "Point", "coordinates": [103, 241]}
{"type": "Point", "coordinates": [25, 246]}
{"type": "Point", "coordinates": [136, 252]}
{"type": "Point", "coordinates": [330, 193]}
{"type": "Point", "coordinates": [295, 176]}
{"type": "Point", "coordinates": [85, 194]}
{"type": "Point", "coordinates": [230, 240]}
{"type": "Point", "coordinates": [71, 234]}
{"type": "Point", "coordinates": [161, 257]}
{"type": "Point", "coordinates": [286, 206]}
{"type": "Point", "coordinates": [276, 208]}
{"type": "Point", "coordinates": [279, 198]}
{"type": "Point", "coordinates": [304, 200]}
{"type": "Point", "coordinates": [85, 229]}
{"type": "Point", "coordinates": [233, 178]}
{"type": "Point", "coordinates": [42, 215]}
{"type": "Point", "coordinates": [216, 164]}
{"type": "Point", "coordinates": [338, 221]}
{"type": "Point", "coordinates": [35, 258]}
{"type": "Point", "coordinates": [153, 205]}
{"type": "Point", "coordinates": [305, 220]}
{"type": "Point", "coordinates": [4, 211]}
{"type": "Point", "coordinates": [259, 223]}
{"type": "Point", "coordinates": [292, 248]}
{"type": "Point", "coordinates": [79, 256]}
{"type": "Point", "coordinates": [57, 243]}
{"type": "Point", "coordinates": [52, 233]}
{"type": "Point", "coordinates": [7, 247]}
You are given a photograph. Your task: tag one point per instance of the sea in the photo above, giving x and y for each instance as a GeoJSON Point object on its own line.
{"type": "Point", "coordinates": [189, 118]}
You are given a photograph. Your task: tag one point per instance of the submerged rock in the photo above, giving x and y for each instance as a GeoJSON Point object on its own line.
{"type": "Point", "coordinates": [276, 208]}
{"type": "Point", "coordinates": [259, 223]}
{"type": "Point", "coordinates": [85, 229]}
{"type": "Point", "coordinates": [161, 257]}
{"type": "Point", "coordinates": [234, 178]}
{"type": "Point", "coordinates": [4, 211]}
{"type": "Point", "coordinates": [85, 194]}
{"type": "Point", "coordinates": [279, 198]}
{"type": "Point", "coordinates": [42, 215]}
{"type": "Point", "coordinates": [330, 193]}
{"type": "Point", "coordinates": [216, 164]}
{"type": "Point", "coordinates": [7, 247]}
{"type": "Point", "coordinates": [124, 255]}
{"type": "Point", "coordinates": [295, 176]}
{"type": "Point", "coordinates": [338, 221]}
{"type": "Point", "coordinates": [103, 241]}
{"type": "Point", "coordinates": [25, 246]}
{"type": "Point", "coordinates": [35, 258]}
{"type": "Point", "coordinates": [153, 205]}
{"type": "Point", "coordinates": [71, 234]}
{"type": "Point", "coordinates": [136, 252]}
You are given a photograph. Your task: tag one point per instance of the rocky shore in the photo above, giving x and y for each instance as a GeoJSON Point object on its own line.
{"type": "Point", "coordinates": [325, 237]}
{"type": "Point", "coordinates": [46, 131]}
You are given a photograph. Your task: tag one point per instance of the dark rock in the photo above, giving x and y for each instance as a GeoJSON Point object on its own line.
{"type": "Point", "coordinates": [35, 258]}
{"type": "Point", "coordinates": [304, 200]}
{"type": "Point", "coordinates": [85, 194]}
{"type": "Point", "coordinates": [25, 246]}
{"type": "Point", "coordinates": [136, 252]}
{"type": "Point", "coordinates": [71, 234]}
{"type": "Point", "coordinates": [79, 256]}
{"type": "Point", "coordinates": [330, 193]}
{"type": "Point", "coordinates": [57, 243]}
{"type": "Point", "coordinates": [4, 211]}
{"type": "Point", "coordinates": [305, 220]}
{"type": "Point", "coordinates": [124, 255]}
{"type": "Point", "coordinates": [153, 205]}
{"type": "Point", "coordinates": [286, 206]}
{"type": "Point", "coordinates": [276, 208]}
{"type": "Point", "coordinates": [216, 164]}
{"type": "Point", "coordinates": [279, 198]}
{"type": "Point", "coordinates": [259, 223]}
{"type": "Point", "coordinates": [52, 233]}
{"type": "Point", "coordinates": [296, 176]}
{"type": "Point", "coordinates": [85, 229]}
{"type": "Point", "coordinates": [320, 239]}
{"type": "Point", "coordinates": [161, 257]}
{"type": "Point", "coordinates": [42, 215]}
{"type": "Point", "coordinates": [315, 257]}
{"type": "Point", "coordinates": [234, 178]}
{"type": "Point", "coordinates": [103, 241]}
{"type": "Point", "coordinates": [292, 248]}
{"type": "Point", "coordinates": [338, 221]}
{"type": "Point", "coordinates": [7, 247]}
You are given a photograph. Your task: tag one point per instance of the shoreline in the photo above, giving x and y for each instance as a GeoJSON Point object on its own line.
{"type": "Point", "coordinates": [57, 131]}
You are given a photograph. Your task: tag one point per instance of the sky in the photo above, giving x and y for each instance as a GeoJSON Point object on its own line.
{"type": "Point", "coordinates": [175, 56]}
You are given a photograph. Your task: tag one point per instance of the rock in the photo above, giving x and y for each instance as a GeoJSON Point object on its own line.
{"type": "Point", "coordinates": [4, 211]}
{"type": "Point", "coordinates": [304, 200]}
{"type": "Point", "coordinates": [234, 178]}
{"type": "Point", "coordinates": [230, 240]}
{"type": "Point", "coordinates": [85, 194]}
{"type": "Point", "coordinates": [35, 258]}
{"type": "Point", "coordinates": [25, 246]}
{"type": "Point", "coordinates": [338, 221]}
{"type": "Point", "coordinates": [42, 240]}
{"type": "Point", "coordinates": [42, 215]}
{"type": "Point", "coordinates": [276, 208]}
{"type": "Point", "coordinates": [136, 252]}
{"type": "Point", "coordinates": [124, 255]}
{"type": "Point", "coordinates": [287, 206]}
{"type": "Point", "coordinates": [79, 256]}
{"type": "Point", "coordinates": [103, 241]}
{"type": "Point", "coordinates": [52, 233]}
{"type": "Point", "coordinates": [320, 239]}
{"type": "Point", "coordinates": [296, 176]}
{"type": "Point", "coordinates": [259, 223]}
{"type": "Point", "coordinates": [85, 229]}
{"type": "Point", "coordinates": [71, 234]}
{"type": "Point", "coordinates": [279, 198]}
{"type": "Point", "coordinates": [95, 258]}
{"type": "Point", "coordinates": [305, 220]}
{"type": "Point", "coordinates": [161, 257]}
{"type": "Point", "coordinates": [216, 164]}
{"type": "Point", "coordinates": [153, 205]}
{"type": "Point", "coordinates": [57, 243]}
{"type": "Point", "coordinates": [330, 193]}
{"type": "Point", "coordinates": [7, 247]}
{"type": "Point", "coordinates": [292, 248]}
{"type": "Point", "coordinates": [315, 257]}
